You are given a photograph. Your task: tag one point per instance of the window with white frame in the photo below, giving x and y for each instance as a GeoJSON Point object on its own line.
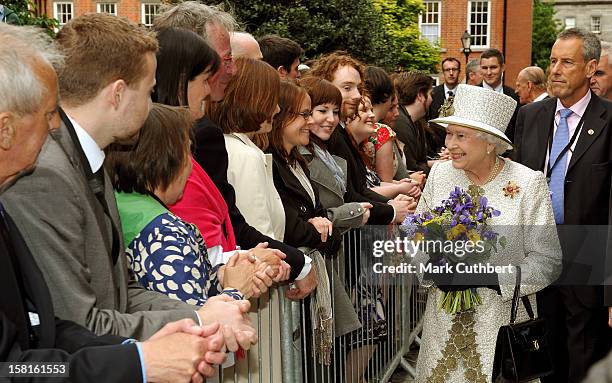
{"type": "Point", "coordinates": [479, 23]}
{"type": "Point", "coordinates": [570, 22]}
{"type": "Point", "coordinates": [63, 11]}
{"type": "Point", "coordinates": [429, 21]}
{"type": "Point", "coordinates": [110, 8]}
{"type": "Point", "coordinates": [149, 11]}
{"type": "Point", "coordinates": [596, 24]}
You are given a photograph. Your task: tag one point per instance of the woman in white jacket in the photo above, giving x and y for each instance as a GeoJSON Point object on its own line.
{"type": "Point", "coordinates": [250, 103]}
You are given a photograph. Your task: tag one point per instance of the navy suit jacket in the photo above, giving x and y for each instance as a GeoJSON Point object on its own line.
{"type": "Point", "coordinates": [588, 179]}
{"type": "Point", "coordinates": [91, 358]}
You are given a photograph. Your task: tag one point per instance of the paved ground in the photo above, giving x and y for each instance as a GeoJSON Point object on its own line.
{"type": "Point", "coordinates": [401, 376]}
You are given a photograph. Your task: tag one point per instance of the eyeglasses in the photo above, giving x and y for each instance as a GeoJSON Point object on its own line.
{"type": "Point", "coordinates": [305, 115]}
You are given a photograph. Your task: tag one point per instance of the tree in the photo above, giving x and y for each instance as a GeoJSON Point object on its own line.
{"type": "Point", "coordinates": [544, 33]}
{"type": "Point", "coordinates": [400, 18]}
{"type": "Point", "coordinates": [323, 26]}
{"type": "Point", "coordinates": [27, 13]}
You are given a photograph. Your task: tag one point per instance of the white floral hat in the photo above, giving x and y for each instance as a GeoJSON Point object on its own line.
{"type": "Point", "coordinates": [481, 109]}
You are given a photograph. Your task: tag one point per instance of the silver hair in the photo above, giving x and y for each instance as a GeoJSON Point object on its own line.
{"type": "Point", "coordinates": [606, 49]}
{"type": "Point", "coordinates": [591, 47]}
{"type": "Point", "coordinates": [23, 47]}
{"type": "Point", "coordinates": [501, 146]}
{"type": "Point", "coordinates": [194, 16]}
{"type": "Point", "coordinates": [471, 66]}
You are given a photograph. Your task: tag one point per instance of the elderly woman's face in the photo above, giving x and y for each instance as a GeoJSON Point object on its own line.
{"type": "Point", "coordinates": [467, 150]}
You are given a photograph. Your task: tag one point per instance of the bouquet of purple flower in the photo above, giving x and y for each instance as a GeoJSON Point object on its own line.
{"type": "Point", "coordinates": [456, 232]}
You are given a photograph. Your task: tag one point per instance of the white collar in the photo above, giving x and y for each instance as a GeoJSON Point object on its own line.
{"type": "Point", "coordinates": [95, 155]}
{"type": "Point", "coordinates": [499, 88]}
{"type": "Point", "coordinates": [540, 97]}
{"type": "Point", "coordinates": [447, 89]}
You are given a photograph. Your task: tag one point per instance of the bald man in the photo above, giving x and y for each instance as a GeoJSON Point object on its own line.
{"type": "Point", "coordinates": [531, 85]}
{"type": "Point", "coordinates": [601, 82]}
{"type": "Point", "coordinates": [245, 45]}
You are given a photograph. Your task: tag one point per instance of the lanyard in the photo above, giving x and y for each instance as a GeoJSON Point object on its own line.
{"type": "Point", "coordinates": [565, 149]}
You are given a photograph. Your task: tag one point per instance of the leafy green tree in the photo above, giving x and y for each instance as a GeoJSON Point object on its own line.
{"type": "Point", "coordinates": [322, 26]}
{"type": "Point", "coordinates": [400, 18]}
{"type": "Point", "coordinates": [27, 12]}
{"type": "Point", "coordinates": [544, 33]}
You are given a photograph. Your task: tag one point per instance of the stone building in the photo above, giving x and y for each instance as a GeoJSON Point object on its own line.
{"type": "Point", "coordinates": [592, 15]}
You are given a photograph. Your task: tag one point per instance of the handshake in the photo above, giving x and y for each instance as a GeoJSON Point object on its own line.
{"type": "Point", "coordinates": [183, 351]}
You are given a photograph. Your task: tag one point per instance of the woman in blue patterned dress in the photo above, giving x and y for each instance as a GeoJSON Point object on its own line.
{"type": "Point", "coordinates": [166, 253]}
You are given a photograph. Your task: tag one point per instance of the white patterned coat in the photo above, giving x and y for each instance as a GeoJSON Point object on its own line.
{"type": "Point", "coordinates": [528, 225]}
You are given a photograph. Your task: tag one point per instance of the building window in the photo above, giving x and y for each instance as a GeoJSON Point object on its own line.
{"type": "Point", "coordinates": [63, 12]}
{"type": "Point", "coordinates": [478, 23]}
{"type": "Point", "coordinates": [149, 11]}
{"type": "Point", "coordinates": [596, 24]}
{"type": "Point", "coordinates": [110, 8]}
{"type": "Point", "coordinates": [570, 22]}
{"type": "Point", "coordinates": [429, 21]}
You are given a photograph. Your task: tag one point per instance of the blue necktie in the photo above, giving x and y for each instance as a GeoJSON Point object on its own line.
{"type": "Point", "coordinates": [557, 173]}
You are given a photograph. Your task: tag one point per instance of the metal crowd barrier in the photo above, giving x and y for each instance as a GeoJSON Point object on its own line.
{"type": "Point", "coordinates": [389, 307]}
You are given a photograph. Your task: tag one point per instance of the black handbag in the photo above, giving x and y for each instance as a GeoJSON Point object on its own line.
{"type": "Point", "coordinates": [522, 352]}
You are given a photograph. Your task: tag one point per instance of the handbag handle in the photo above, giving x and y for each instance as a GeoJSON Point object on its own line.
{"type": "Point", "coordinates": [515, 297]}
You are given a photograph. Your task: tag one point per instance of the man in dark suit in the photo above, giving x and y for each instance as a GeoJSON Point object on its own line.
{"type": "Point", "coordinates": [209, 145]}
{"type": "Point", "coordinates": [531, 85]}
{"type": "Point", "coordinates": [569, 138]}
{"type": "Point", "coordinates": [451, 69]}
{"type": "Point", "coordinates": [29, 330]}
{"type": "Point", "coordinates": [492, 66]}
{"type": "Point", "coordinates": [66, 209]}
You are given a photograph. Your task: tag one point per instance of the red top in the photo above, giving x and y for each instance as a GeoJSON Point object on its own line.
{"type": "Point", "coordinates": [203, 205]}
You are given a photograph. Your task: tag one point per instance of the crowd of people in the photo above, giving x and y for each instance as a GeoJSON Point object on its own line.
{"type": "Point", "coordinates": [153, 181]}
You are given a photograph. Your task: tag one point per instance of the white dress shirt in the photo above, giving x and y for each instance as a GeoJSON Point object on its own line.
{"type": "Point", "coordinates": [95, 155]}
{"type": "Point", "coordinates": [573, 120]}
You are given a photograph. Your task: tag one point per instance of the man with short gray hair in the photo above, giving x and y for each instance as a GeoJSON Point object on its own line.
{"type": "Point", "coordinates": [214, 25]}
{"type": "Point", "coordinates": [30, 329]}
{"type": "Point", "coordinates": [472, 72]}
{"type": "Point", "coordinates": [531, 85]}
{"type": "Point", "coordinates": [568, 137]}
{"type": "Point", "coordinates": [209, 145]}
{"type": "Point", "coordinates": [601, 82]}
{"type": "Point", "coordinates": [66, 207]}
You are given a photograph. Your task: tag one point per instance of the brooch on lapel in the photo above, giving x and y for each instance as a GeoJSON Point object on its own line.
{"type": "Point", "coordinates": [511, 189]}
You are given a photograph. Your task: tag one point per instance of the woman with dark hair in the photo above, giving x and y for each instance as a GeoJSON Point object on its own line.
{"type": "Point", "coordinates": [185, 62]}
{"type": "Point", "coordinates": [346, 74]}
{"type": "Point", "coordinates": [308, 223]}
{"type": "Point", "coordinates": [165, 253]}
{"type": "Point", "coordinates": [249, 105]}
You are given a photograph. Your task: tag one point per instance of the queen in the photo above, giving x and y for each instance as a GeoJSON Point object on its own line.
{"type": "Point", "coordinates": [460, 347]}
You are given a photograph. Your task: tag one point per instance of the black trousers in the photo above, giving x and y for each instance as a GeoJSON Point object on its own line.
{"type": "Point", "coordinates": [578, 334]}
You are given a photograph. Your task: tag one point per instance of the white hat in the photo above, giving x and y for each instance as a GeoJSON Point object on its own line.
{"type": "Point", "coordinates": [481, 109]}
